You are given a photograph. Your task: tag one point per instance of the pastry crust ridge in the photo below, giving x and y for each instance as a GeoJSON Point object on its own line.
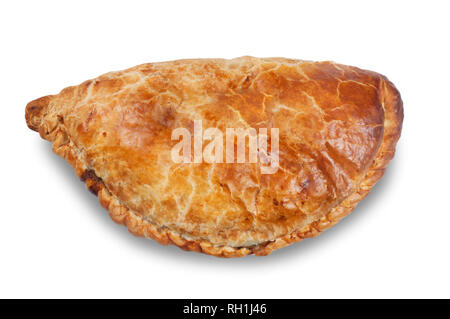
{"type": "Point", "coordinates": [54, 130]}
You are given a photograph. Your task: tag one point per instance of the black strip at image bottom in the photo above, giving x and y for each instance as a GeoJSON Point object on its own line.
{"type": "Point", "coordinates": [222, 308]}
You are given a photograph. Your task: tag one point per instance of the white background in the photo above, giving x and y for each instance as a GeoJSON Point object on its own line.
{"type": "Point", "coordinates": [57, 241]}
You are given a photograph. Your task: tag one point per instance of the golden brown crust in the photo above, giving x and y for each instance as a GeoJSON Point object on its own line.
{"type": "Point", "coordinates": [349, 121]}
{"type": "Point", "coordinates": [34, 110]}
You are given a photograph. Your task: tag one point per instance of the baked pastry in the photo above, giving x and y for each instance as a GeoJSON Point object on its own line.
{"type": "Point", "coordinates": [337, 130]}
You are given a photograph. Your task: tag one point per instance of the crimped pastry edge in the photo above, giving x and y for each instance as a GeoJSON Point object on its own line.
{"type": "Point", "coordinates": [138, 226]}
